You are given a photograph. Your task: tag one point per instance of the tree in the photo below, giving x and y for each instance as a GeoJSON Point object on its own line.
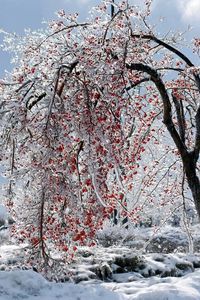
{"type": "Point", "coordinates": [81, 115]}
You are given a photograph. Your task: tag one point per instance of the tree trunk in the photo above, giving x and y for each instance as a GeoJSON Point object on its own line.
{"type": "Point", "coordinates": [189, 158]}
{"type": "Point", "coordinates": [189, 164]}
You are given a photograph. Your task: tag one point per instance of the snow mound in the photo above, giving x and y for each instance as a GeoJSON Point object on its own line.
{"type": "Point", "coordinates": [154, 288]}
{"type": "Point", "coordinates": [19, 283]}
{"type": "Point", "coordinates": [29, 285]}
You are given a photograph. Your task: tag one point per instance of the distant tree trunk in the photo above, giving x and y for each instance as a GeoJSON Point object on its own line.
{"type": "Point", "coordinates": [125, 222]}
{"type": "Point", "coordinates": [115, 216]}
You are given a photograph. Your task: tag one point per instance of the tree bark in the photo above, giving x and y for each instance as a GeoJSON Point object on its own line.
{"type": "Point", "coordinates": [189, 163]}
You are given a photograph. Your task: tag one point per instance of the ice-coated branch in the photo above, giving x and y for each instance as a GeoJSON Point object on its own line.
{"type": "Point", "coordinates": [171, 49]}
{"type": "Point", "coordinates": [167, 110]}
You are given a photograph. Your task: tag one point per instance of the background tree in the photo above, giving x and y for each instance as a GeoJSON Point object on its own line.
{"type": "Point", "coordinates": [81, 114]}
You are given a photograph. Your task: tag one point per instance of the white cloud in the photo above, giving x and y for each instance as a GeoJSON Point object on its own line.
{"type": "Point", "coordinates": [189, 9]}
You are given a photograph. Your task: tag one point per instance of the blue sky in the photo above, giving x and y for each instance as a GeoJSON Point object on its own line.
{"type": "Point", "coordinates": [16, 15]}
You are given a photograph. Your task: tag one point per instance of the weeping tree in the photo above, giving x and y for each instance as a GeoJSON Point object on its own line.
{"type": "Point", "coordinates": [81, 116]}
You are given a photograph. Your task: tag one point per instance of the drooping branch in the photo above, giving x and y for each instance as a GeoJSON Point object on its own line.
{"type": "Point", "coordinates": [167, 110]}
{"type": "Point", "coordinates": [171, 49]}
{"type": "Point", "coordinates": [165, 45]}
{"type": "Point", "coordinates": [109, 23]}
{"type": "Point", "coordinates": [13, 157]}
{"type": "Point", "coordinates": [61, 30]}
{"type": "Point", "coordinates": [189, 158]}
{"type": "Point", "coordinates": [41, 225]}
{"type": "Point", "coordinates": [70, 68]}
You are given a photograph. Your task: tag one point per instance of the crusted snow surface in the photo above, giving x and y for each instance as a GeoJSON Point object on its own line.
{"type": "Point", "coordinates": [21, 284]}
{"type": "Point", "coordinates": [155, 288]}
{"type": "Point", "coordinates": [148, 276]}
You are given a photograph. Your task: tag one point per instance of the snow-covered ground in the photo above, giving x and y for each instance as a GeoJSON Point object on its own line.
{"type": "Point", "coordinates": [116, 272]}
{"type": "Point", "coordinates": [16, 284]}
{"type": "Point", "coordinates": [29, 285]}
{"type": "Point", "coordinates": [154, 288]}
{"type": "Point", "coordinates": [19, 284]}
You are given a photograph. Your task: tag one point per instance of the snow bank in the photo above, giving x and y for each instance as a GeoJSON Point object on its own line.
{"type": "Point", "coordinates": [29, 285]}
{"type": "Point", "coordinates": [186, 288]}
{"type": "Point", "coordinates": [155, 288]}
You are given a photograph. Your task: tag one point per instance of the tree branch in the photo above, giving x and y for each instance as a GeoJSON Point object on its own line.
{"type": "Point", "coordinates": [165, 45]}
{"type": "Point", "coordinates": [112, 9]}
{"type": "Point", "coordinates": [180, 116]}
{"type": "Point", "coordinates": [167, 111]}
{"type": "Point", "coordinates": [30, 104]}
{"type": "Point", "coordinates": [60, 30]}
{"type": "Point", "coordinates": [197, 137]}
{"type": "Point", "coordinates": [70, 68]}
{"type": "Point", "coordinates": [172, 49]}
{"type": "Point", "coordinates": [134, 84]}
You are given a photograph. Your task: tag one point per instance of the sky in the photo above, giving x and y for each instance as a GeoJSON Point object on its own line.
{"type": "Point", "coordinates": [17, 15]}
